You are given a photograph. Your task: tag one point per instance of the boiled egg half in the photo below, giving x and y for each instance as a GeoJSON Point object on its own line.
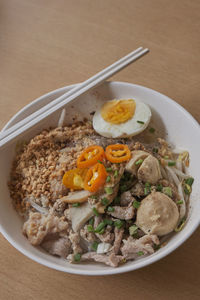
{"type": "Point", "coordinates": [121, 118]}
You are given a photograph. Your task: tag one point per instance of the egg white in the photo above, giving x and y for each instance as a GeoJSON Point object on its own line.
{"type": "Point", "coordinates": [126, 129]}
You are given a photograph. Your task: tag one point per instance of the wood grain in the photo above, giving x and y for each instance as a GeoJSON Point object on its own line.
{"type": "Point", "coordinates": [48, 44]}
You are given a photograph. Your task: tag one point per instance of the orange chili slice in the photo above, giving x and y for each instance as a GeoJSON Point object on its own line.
{"type": "Point", "coordinates": [74, 179]}
{"type": "Point", "coordinates": [95, 178]}
{"type": "Point", "coordinates": [117, 153]}
{"type": "Point", "coordinates": [90, 156]}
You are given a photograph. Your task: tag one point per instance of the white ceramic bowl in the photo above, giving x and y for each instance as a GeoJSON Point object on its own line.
{"type": "Point", "coordinates": [177, 124]}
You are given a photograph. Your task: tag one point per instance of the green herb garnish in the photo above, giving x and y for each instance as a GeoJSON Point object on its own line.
{"type": "Point", "coordinates": [90, 228]}
{"type": "Point", "coordinates": [123, 188]}
{"type": "Point", "coordinates": [116, 173]}
{"type": "Point", "coordinates": [179, 202]}
{"type": "Point", "coordinates": [187, 189]}
{"type": "Point", "coordinates": [99, 227]}
{"type": "Point", "coordinates": [189, 181]}
{"type": "Point", "coordinates": [119, 223]}
{"type": "Point", "coordinates": [139, 162]}
{"type": "Point", "coordinates": [76, 204]}
{"type": "Point", "coordinates": [100, 162]}
{"type": "Point", "coordinates": [108, 190]}
{"type": "Point", "coordinates": [110, 209]}
{"type": "Point", "coordinates": [152, 130]}
{"type": "Point", "coordinates": [140, 253]}
{"type": "Point", "coordinates": [140, 122]}
{"type": "Point", "coordinates": [93, 197]}
{"type": "Point", "coordinates": [136, 204]}
{"type": "Point", "coordinates": [171, 163]}
{"type": "Point", "coordinates": [147, 188]}
{"type": "Point", "coordinates": [94, 246]}
{"type": "Point", "coordinates": [91, 221]}
{"type": "Point", "coordinates": [108, 222]}
{"type": "Point", "coordinates": [77, 257]}
{"type": "Point", "coordinates": [108, 179]}
{"type": "Point", "coordinates": [109, 169]}
{"type": "Point", "coordinates": [167, 191]}
{"type": "Point", "coordinates": [133, 230]}
{"type": "Point", "coordinates": [104, 201]}
{"type": "Point", "coordinates": [95, 211]}
{"type": "Point", "coordinates": [159, 187]}
{"type": "Point", "coordinates": [116, 200]}
{"type": "Point", "coordinates": [181, 225]}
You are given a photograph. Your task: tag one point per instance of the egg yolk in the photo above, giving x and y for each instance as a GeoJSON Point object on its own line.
{"type": "Point", "coordinates": [118, 111]}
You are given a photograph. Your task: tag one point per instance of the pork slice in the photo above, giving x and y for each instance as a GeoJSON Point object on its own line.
{"type": "Point", "coordinates": [75, 240]}
{"type": "Point", "coordinates": [123, 213]}
{"type": "Point", "coordinates": [126, 198]}
{"type": "Point", "coordinates": [111, 260]}
{"type": "Point", "coordinates": [38, 226]}
{"type": "Point", "coordinates": [60, 247]}
{"type": "Point", "coordinates": [87, 236]}
{"type": "Point", "coordinates": [118, 239]}
{"type": "Point", "coordinates": [132, 248]}
{"type": "Point", "coordinates": [138, 190]}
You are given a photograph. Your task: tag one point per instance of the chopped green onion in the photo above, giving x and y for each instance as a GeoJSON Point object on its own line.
{"type": "Point", "coordinates": [108, 178]}
{"type": "Point", "coordinates": [110, 209]}
{"type": "Point", "coordinates": [140, 253]}
{"type": "Point", "coordinates": [95, 211]}
{"type": "Point", "coordinates": [93, 197]}
{"type": "Point", "coordinates": [171, 163]}
{"type": "Point", "coordinates": [104, 201]}
{"type": "Point", "coordinates": [147, 188]}
{"type": "Point", "coordinates": [152, 130]}
{"type": "Point", "coordinates": [116, 200]}
{"type": "Point", "coordinates": [156, 247]}
{"type": "Point", "coordinates": [90, 228]}
{"type": "Point", "coordinates": [100, 162]}
{"type": "Point", "coordinates": [108, 190]}
{"type": "Point", "coordinates": [116, 173]}
{"type": "Point", "coordinates": [91, 221]}
{"type": "Point", "coordinates": [179, 202]}
{"type": "Point", "coordinates": [147, 185]}
{"type": "Point", "coordinates": [133, 230]}
{"type": "Point", "coordinates": [140, 122]}
{"type": "Point", "coordinates": [139, 162]}
{"type": "Point", "coordinates": [109, 169]}
{"type": "Point", "coordinates": [123, 188]}
{"type": "Point", "coordinates": [189, 181]}
{"type": "Point", "coordinates": [108, 222]}
{"type": "Point", "coordinates": [119, 223]}
{"type": "Point", "coordinates": [94, 246]}
{"type": "Point", "coordinates": [99, 227]}
{"type": "Point", "coordinates": [166, 157]}
{"type": "Point", "coordinates": [155, 150]}
{"type": "Point", "coordinates": [101, 231]}
{"type": "Point", "coordinates": [159, 187]}
{"type": "Point", "coordinates": [77, 257]}
{"type": "Point", "coordinates": [76, 204]}
{"type": "Point", "coordinates": [187, 189]}
{"type": "Point", "coordinates": [136, 204]}
{"type": "Point", "coordinates": [181, 225]}
{"type": "Point", "coordinates": [167, 191]}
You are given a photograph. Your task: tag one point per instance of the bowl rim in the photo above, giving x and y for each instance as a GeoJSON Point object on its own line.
{"type": "Point", "coordinates": [125, 268]}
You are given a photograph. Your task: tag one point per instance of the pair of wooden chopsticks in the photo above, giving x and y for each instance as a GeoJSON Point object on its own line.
{"type": "Point", "coordinates": [61, 101]}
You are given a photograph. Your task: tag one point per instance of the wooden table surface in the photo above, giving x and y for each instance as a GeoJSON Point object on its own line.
{"type": "Point", "coordinates": [48, 44]}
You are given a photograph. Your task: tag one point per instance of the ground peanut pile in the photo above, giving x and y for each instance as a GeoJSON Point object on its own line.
{"type": "Point", "coordinates": [38, 169]}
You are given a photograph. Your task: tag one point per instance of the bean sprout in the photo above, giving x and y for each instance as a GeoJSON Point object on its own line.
{"type": "Point", "coordinates": [172, 176]}
{"type": "Point", "coordinates": [182, 206]}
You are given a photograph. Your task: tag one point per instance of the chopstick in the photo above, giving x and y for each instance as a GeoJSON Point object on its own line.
{"type": "Point", "coordinates": [61, 101]}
